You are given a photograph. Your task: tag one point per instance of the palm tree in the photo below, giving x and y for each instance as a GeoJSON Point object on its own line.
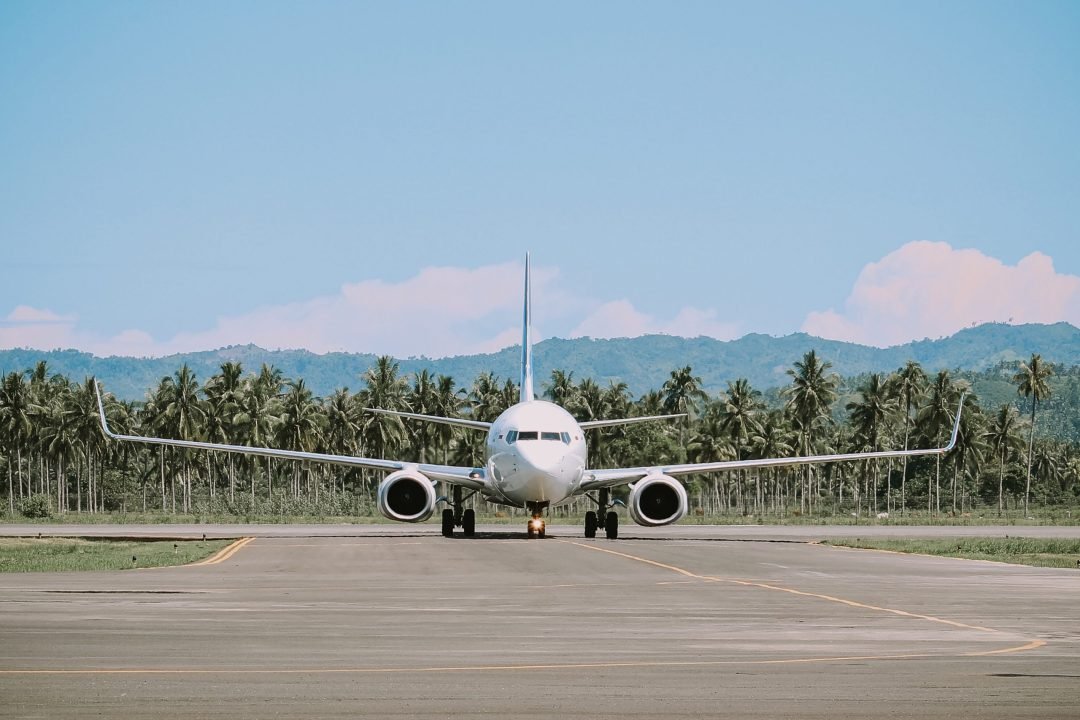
{"type": "Point", "coordinates": [15, 425]}
{"type": "Point", "coordinates": [738, 411]}
{"type": "Point", "coordinates": [223, 393]}
{"type": "Point", "coordinates": [448, 403]}
{"type": "Point", "coordinates": [936, 418]}
{"type": "Point", "coordinates": [709, 444]}
{"type": "Point", "coordinates": [1003, 440]}
{"type": "Point", "coordinates": [422, 398]}
{"type": "Point", "coordinates": [256, 418]}
{"type": "Point", "coordinates": [561, 388]}
{"type": "Point", "coordinates": [810, 398]}
{"type": "Point", "coordinates": [969, 453]}
{"type": "Point", "coordinates": [384, 389]}
{"type": "Point", "coordinates": [485, 397]}
{"type": "Point", "coordinates": [1032, 383]}
{"type": "Point", "coordinates": [774, 439]}
{"type": "Point", "coordinates": [1048, 466]}
{"type": "Point", "coordinates": [300, 427]}
{"type": "Point", "coordinates": [869, 415]}
{"type": "Point", "coordinates": [681, 393]}
{"type": "Point", "coordinates": [908, 384]}
{"type": "Point", "coordinates": [184, 415]}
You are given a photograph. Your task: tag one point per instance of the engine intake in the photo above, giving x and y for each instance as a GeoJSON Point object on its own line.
{"type": "Point", "coordinates": [406, 495]}
{"type": "Point", "coordinates": [657, 500]}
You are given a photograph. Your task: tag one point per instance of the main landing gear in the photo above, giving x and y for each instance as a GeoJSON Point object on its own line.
{"type": "Point", "coordinates": [536, 526]}
{"type": "Point", "coordinates": [610, 523]}
{"type": "Point", "coordinates": [458, 516]}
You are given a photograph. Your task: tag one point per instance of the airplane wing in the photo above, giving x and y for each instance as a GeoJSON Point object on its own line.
{"type": "Point", "coordinates": [596, 479]}
{"type": "Point", "coordinates": [626, 421]}
{"type": "Point", "coordinates": [460, 422]}
{"type": "Point", "coordinates": [470, 477]}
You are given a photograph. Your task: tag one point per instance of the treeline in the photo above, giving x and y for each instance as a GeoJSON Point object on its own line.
{"type": "Point", "coordinates": [57, 459]}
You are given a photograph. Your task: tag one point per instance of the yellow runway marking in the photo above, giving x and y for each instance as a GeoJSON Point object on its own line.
{"type": "Point", "coordinates": [225, 553]}
{"type": "Point", "coordinates": [829, 598]}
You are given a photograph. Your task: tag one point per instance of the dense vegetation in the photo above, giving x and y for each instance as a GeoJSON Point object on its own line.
{"type": "Point", "coordinates": [58, 461]}
{"type": "Point", "coordinates": [640, 362]}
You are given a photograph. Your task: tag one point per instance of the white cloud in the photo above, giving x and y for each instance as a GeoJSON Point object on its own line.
{"type": "Point", "coordinates": [620, 318]}
{"type": "Point", "coordinates": [439, 312]}
{"type": "Point", "coordinates": [928, 289]}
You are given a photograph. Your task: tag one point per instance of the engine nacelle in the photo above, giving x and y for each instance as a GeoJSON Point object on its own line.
{"type": "Point", "coordinates": [657, 500]}
{"type": "Point", "coordinates": [406, 495]}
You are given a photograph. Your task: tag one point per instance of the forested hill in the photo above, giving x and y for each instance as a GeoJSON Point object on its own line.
{"type": "Point", "coordinates": [643, 363]}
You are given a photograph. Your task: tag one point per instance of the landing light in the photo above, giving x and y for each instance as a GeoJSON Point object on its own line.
{"type": "Point", "coordinates": [536, 523]}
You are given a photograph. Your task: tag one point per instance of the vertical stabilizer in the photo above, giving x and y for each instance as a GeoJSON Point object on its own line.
{"type": "Point", "coordinates": [526, 341]}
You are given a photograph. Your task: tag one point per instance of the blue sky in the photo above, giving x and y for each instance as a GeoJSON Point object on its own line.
{"type": "Point", "coordinates": [368, 176]}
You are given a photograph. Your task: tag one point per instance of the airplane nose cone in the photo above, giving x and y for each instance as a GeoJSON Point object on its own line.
{"type": "Point", "coordinates": [541, 469]}
{"type": "Point", "coordinates": [544, 457]}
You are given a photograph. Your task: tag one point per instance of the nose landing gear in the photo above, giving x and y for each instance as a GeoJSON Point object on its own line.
{"type": "Point", "coordinates": [536, 526]}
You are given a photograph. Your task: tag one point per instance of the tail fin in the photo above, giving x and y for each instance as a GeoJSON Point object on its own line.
{"type": "Point", "coordinates": [526, 341]}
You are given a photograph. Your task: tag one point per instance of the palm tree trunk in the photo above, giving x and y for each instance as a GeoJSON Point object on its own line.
{"type": "Point", "coordinates": [161, 459]}
{"type": "Point", "coordinates": [937, 484]}
{"type": "Point", "coordinates": [1031, 441]}
{"type": "Point", "coordinates": [1001, 483]}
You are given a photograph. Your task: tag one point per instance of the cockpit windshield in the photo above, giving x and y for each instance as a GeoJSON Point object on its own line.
{"type": "Point", "coordinates": [514, 435]}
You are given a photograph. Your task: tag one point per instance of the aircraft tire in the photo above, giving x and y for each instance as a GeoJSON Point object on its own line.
{"type": "Point", "coordinates": [590, 524]}
{"type": "Point", "coordinates": [611, 526]}
{"type": "Point", "coordinates": [448, 523]}
{"type": "Point", "coordinates": [468, 522]}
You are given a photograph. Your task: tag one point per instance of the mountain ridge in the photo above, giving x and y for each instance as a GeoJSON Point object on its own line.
{"type": "Point", "coordinates": [643, 363]}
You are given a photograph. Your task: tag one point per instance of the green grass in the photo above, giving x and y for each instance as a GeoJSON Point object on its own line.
{"type": "Point", "coordinates": [66, 554]}
{"type": "Point", "coordinates": [1018, 551]}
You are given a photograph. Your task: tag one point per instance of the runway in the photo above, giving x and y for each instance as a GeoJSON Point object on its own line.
{"type": "Point", "coordinates": [383, 623]}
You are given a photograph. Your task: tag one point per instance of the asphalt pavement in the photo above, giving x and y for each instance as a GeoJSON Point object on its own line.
{"type": "Point", "coordinates": [684, 622]}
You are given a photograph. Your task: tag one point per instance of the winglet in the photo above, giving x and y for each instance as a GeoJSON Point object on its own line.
{"type": "Point", "coordinates": [526, 341]}
{"type": "Point", "coordinates": [101, 411]}
{"type": "Point", "coordinates": [956, 426]}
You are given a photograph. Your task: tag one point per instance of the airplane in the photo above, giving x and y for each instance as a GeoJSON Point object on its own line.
{"type": "Point", "coordinates": [535, 459]}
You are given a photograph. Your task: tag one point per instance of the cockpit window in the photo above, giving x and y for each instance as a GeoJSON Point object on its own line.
{"type": "Point", "coordinates": [514, 435]}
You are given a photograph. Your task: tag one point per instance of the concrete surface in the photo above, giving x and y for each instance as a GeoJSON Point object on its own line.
{"type": "Point", "coordinates": [395, 621]}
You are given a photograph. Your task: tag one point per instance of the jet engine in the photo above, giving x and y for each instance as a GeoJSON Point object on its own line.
{"type": "Point", "coordinates": [657, 500]}
{"type": "Point", "coordinates": [406, 495]}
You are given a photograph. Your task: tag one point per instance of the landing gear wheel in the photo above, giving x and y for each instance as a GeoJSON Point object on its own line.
{"type": "Point", "coordinates": [590, 524]}
{"type": "Point", "coordinates": [468, 522]}
{"type": "Point", "coordinates": [529, 529]}
{"type": "Point", "coordinates": [448, 523]}
{"type": "Point", "coordinates": [611, 526]}
{"type": "Point", "coordinates": [542, 532]}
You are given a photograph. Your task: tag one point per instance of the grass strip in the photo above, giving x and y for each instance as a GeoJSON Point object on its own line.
{"type": "Point", "coordinates": [1038, 552]}
{"type": "Point", "coordinates": [69, 554]}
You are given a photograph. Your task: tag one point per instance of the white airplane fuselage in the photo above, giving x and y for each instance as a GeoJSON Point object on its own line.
{"type": "Point", "coordinates": [536, 454]}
